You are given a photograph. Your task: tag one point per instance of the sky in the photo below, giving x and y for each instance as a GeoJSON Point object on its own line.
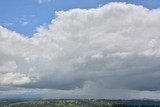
{"type": "Point", "coordinates": [80, 49]}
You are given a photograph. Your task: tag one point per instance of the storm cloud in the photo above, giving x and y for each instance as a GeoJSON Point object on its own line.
{"type": "Point", "coordinates": [111, 51]}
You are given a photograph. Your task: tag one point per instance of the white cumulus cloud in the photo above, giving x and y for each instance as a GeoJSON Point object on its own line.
{"type": "Point", "coordinates": [112, 51]}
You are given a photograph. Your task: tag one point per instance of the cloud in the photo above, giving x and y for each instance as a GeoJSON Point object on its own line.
{"type": "Point", "coordinates": [8, 24]}
{"type": "Point", "coordinates": [13, 79]}
{"type": "Point", "coordinates": [24, 23]}
{"type": "Point", "coordinates": [8, 66]}
{"type": "Point", "coordinates": [43, 1]}
{"type": "Point", "coordinates": [112, 51]}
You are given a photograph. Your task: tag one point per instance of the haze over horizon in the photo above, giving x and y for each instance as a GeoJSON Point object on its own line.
{"type": "Point", "coordinates": [84, 49]}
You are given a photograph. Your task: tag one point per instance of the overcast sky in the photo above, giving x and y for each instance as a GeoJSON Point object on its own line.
{"type": "Point", "coordinates": [95, 50]}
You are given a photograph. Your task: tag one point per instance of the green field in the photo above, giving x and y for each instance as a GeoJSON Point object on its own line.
{"type": "Point", "coordinates": [78, 103]}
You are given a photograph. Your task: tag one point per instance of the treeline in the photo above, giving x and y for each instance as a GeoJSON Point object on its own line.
{"type": "Point", "coordinates": [70, 103]}
{"type": "Point", "coordinates": [125, 105]}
